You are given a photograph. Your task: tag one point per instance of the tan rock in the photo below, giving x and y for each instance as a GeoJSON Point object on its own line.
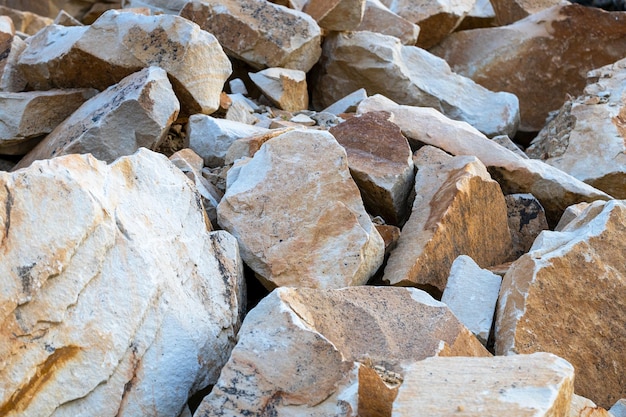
{"type": "Point", "coordinates": [409, 75]}
{"type": "Point", "coordinates": [378, 18]}
{"type": "Point", "coordinates": [66, 19]}
{"type": "Point", "coordinates": [298, 215]}
{"type": "Point", "coordinates": [381, 163]}
{"type": "Point", "coordinates": [26, 22]}
{"type": "Point", "coordinates": [259, 32]}
{"type": "Point", "coordinates": [246, 147]}
{"type": "Point", "coordinates": [564, 296]}
{"type": "Point", "coordinates": [285, 88]}
{"type": "Point", "coordinates": [534, 385]}
{"type": "Point", "coordinates": [584, 407]}
{"type": "Point", "coordinates": [510, 11]}
{"type": "Point", "coordinates": [337, 15]}
{"type": "Point", "coordinates": [481, 16]}
{"type": "Point", "coordinates": [7, 33]}
{"type": "Point", "coordinates": [157, 6]}
{"type": "Point", "coordinates": [137, 112]}
{"type": "Point", "coordinates": [311, 352]}
{"type": "Point", "coordinates": [491, 56]}
{"type": "Point", "coordinates": [390, 235]}
{"type": "Point", "coordinates": [12, 80]}
{"type": "Point", "coordinates": [527, 219]}
{"type": "Point", "coordinates": [570, 214]}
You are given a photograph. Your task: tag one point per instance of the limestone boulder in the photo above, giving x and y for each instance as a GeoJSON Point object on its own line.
{"type": "Point", "coordinates": [412, 76]}
{"type": "Point", "coordinates": [298, 215]}
{"type": "Point", "coordinates": [336, 15]}
{"type": "Point", "coordinates": [260, 33]}
{"type": "Point", "coordinates": [378, 18]}
{"type": "Point", "coordinates": [136, 112]}
{"type": "Point", "coordinates": [285, 88]}
{"type": "Point", "coordinates": [565, 297]}
{"type": "Point", "coordinates": [541, 58]}
{"type": "Point", "coordinates": [24, 21]}
{"type": "Point", "coordinates": [510, 11]}
{"type": "Point", "coordinates": [116, 299]}
{"type": "Point", "coordinates": [332, 352]}
{"type": "Point", "coordinates": [527, 219]}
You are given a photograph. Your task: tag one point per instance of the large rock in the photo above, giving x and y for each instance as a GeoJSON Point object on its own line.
{"type": "Point", "coordinates": [336, 15]}
{"type": "Point", "coordinates": [510, 11]}
{"type": "Point", "coordinates": [566, 296]}
{"type": "Point", "coordinates": [260, 33]}
{"type": "Point", "coordinates": [64, 57]}
{"type": "Point", "coordinates": [135, 113]}
{"type": "Point", "coordinates": [298, 215]}
{"type": "Point", "coordinates": [378, 18]}
{"type": "Point", "coordinates": [410, 75]}
{"type": "Point", "coordinates": [522, 58]}
{"type": "Point", "coordinates": [285, 88]}
{"type": "Point", "coordinates": [319, 353]}
{"type": "Point", "coordinates": [114, 299]}
{"type": "Point", "coordinates": [25, 22]}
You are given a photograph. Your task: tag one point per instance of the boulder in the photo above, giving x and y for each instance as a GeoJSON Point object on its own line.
{"type": "Point", "coordinates": [115, 301]}
{"type": "Point", "coordinates": [510, 11]}
{"type": "Point", "coordinates": [12, 80]}
{"type": "Point", "coordinates": [336, 15]}
{"type": "Point", "coordinates": [298, 215]}
{"type": "Point", "coordinates": [527, 219]}
{"type": "Point", "coordinates": [285, 88]}
{"type": "Point", "coordinates": [378, 18]}
{"type": "Point", "coordinates": [25, 22]}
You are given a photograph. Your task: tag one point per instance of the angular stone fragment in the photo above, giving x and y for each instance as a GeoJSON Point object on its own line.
{"type": "Point", "coordinates": [246, 147]}
{"type": "Point", "coordinates": [378, 18]}
{"type": "Point", "coordinates": [412, 76]}
{"type": "Point", "coordinates": [584, 407]}
{"type": "Point", "coordinates": [7, 33]}
{"type": "Point", "coordinates": [526, 220]}
{"type": "Point", "coordinates": [565, 297]}
{"type": "Point", "coordinates": [311, 352]}
{"type": "Point", "coordinates": [115, 297]}
{"type": "Point", "coordinates": [298, 215]}
{"type": "Point", "coordinates": [528, 49]}
{"type": "Point", "coordinates": [66, 19]}
{"type": "Point", "coordinates": [381, 163]}
{"type": "Point", "coordinates": [347, 104]}
{"type": "Point", "coordinates": [25, 22]}
{"type": "Point", "coordinates": [12, 80]}
{"type": "Point", "coordinates": [157, 6]}
{"type": "Point", "coordinates": [534, 385]}
{"type": "Point", "coordinates": [258, 32]}
{"type": "Point", "coordinates": [510, 11]}
{"type": "Point", "coordinates": [570, 214]}
{"type": "Point", "coordinates": [285, 88]}
{"type": "Point", "coordinates": [135, 113]}
{"type": "Point", "coordinates": [619, 408]}
{"type": "Point", "coordinates": [482, 15]}
{"type": "Point", "coordinates": [336, 15]}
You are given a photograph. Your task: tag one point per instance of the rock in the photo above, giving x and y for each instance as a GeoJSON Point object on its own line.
{"type": "Point", "coordinates": [285, 88]}
{"type": "Point", "coordinates": [66, 19]}
{"type": "Point", "coordinates": [347, 104]}
{"type": "Point", "coordinates": [237, 86]}
{"type": "Point", "coordinates": [514, 386]}
{"type": "Point", "coordinates": [26, 22]}
{"type": "Point", "coordinates": [471, 294]}
{"type": "Point", "coordinates": [619, 408]}
{"type": "Point", "coordinates": [381, 163]}
{"type": "Point", "coordinates": [587, 138]}
{"type": "Point", "coordinates": [378, 18]}
{"type": "Point", "coordinates": [137, 112]}
{"type": "Point", "coordinates": [56, 57]}
{"type": "Point", "coordinates": [503, 140]}
{"type": "Point", "coordinates": [412, 76]}
{"type": "Point", "coordinates": [307, 352]}
{"type": "Point", "coordinates": [114, 299]}
{"type": "Point", "coordinates": [157, 6]}
{"type": "Point", "coordinates": [12, 80]}
{"type": "Point", "coordinates": [259, 32]}
{"type": "Point", "coordinates": [584, 407]}
{"type": "Point", "coordinates": [528, 49]}
{"type": "Point", "coordinates": [510, 11]}
{"type": "Point", "coordinates": [526, 220]}
{"type": "Point", "coordinates": [551, 300]}
{"type": "Point", "coordinates": [302, 119]}
{"type": "Point", "coordinates": [555, 189]}
{"type": "Point", "coordinates": [298, 215]}
{"type": "Point", "coordinates": [7, 34]}
{"type": "Point", "coordinates": [390, 235]}
{"type": "Point", "coordinates": [246, 147]}
{"type": "Point", "coordinates": [481, 16]}
{"type": "Point", "coordinates": [241, 109]}
{"type": "Point", "coordinates": [26, 117]}
{"type": "Point", "coordinates": [210, 137]}
{"type": "Point", "coordinates": [99, 8]}
{"type": "Point", "coordinates": [570, 214]}
{"type": "Point", "coordinates": [336, 15]}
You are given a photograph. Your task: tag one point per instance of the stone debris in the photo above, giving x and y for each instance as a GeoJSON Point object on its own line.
{"type": "Point", "coordinates": [527, 219]}
{"type": "Point", "coordinates": [347, 104]}
{"type": "Point", "coordinates": [285, 88]}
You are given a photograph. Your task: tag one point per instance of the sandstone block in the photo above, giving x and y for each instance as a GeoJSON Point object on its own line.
{"type": "Point", "coordinates": [526, 220]}
{"type": "Point", "coordinates": [285, 88]}
{"type": "Point", "coordinates": [378, 18]}
{"type": "Point", "coordinates": [336, 15]}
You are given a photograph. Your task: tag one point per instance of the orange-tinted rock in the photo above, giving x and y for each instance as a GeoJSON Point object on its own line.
{"type": "Point", "coordinates": [510, 11]}
{"type": "Point", "coordinates": [378, 18]}
{"type": "Point", "coordinates": [285, 88]}
{"type": "Point", "coordinates": [338, 15]}
{"type": "Point", "coordinates": [26, 22]}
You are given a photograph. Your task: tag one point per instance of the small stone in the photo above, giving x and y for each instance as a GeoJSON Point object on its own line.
{"type": "Point", "coordinates": [285, 88]}
{"type": "Point", "coordinates": [241, 110]}
{"type": "Point", "coordinates": [347, 104]}
{"type": "Point", "coordinates": [237, 86]}
{"type": "Point", "coordinates": [66, 19]}
{"type": "Point", "coordinates": [584, 407]}
{"type": "Point", "coordinates": [302, 119]}
{"type": "Point", "coordinates": [526, 220]}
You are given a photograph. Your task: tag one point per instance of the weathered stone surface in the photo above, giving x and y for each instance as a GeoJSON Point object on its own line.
{"type": "Point", "coordinates": [584, 407]}
{"type": "Point", "coordinates": [510, 11]}
{"type": "Point", "coordinates": [587, 139]}
{"type": "Point", "coordinates": [7, 33]}
{"type": "Point", "coordinates": [410, 75]}
{"type": "Point", "coordinates": [259, 32]}
{"type": "Point", "coordinates": [534, 385]}
{"type": "Point", "coordinates": [482, 15]}
{"type": "Point", "coordinates": [66, 19]}
{"type": "Point", "coordinates": [347, 104]}
{"type": "Point", "coordinates": [26, 117]}
{"type": "Point", "coordinates": [378, 18]}
{"type": "Point", "coordinates": [12, 80]}
{"type": "Point", "coordinates": [298, 215]}
{"type": "Point", "coordinates": [528, 49]}
{"type": "Point", "coordinates": [566, 296]}
{"type": "Point", "coordinates": [471, 293]}
{"type": "Point", "coordinates": [526, 220]}
{"type": "Point", "coordinates": [64, 57]}
{"type": "Point", "coordinates": [381, 163]}
{"type": "Point", "coordinates": [555, 189]}
{"type": "Point", "coordinates": [246, 147]}
{"type": "Point", "coordinates": [285, 88]}
{"type": "Point", "coordinates": [241, 109]}
{"type": "Point", "coordinates": [307, 352]}
{"type": "Point", "coordinates": [135, 113]}
{"type": "Point", "coordinates": [337, 15]}
{"type": "Point", "coordinates": [157, 6]}
{"type": "Point", "coordinates": [25, 22]}
{"type": "Point", "coordinates": [570, 214]}
{"type": "Point", "coordinates": [114, 299]}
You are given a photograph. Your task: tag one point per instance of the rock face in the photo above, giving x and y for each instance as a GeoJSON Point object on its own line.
{"type": "Point", "coordinates": [26, 22]}
{"type": "Point", "coordinates": [527, 48]}
{"type": "Point", "coordinates": [552, 300]}
{"type": "Point", "coordinates": [526, 220]}
{"type": "Point", "coordinates": [285, 88]}
{"type": "Point", "coordinates": [259, 32]}
{"type": "Point", "coordinates": [308, 352]}
{"type": "Point", "coordinates": [458, 210]}
{"type": "Point", "coordinates": [298, 215]}
{"type": "Point", "coordinates": [412, 76]}
{"type": "Point", "coordinates": [120, 293]}
{"type": "Point", "coordinates": [336, 15]}
{"type": "Point", "coordinates": [587, 138]}
{"type": "Point", "coordinates": [135, 113]}
{"type": "Point", "coordinates": [510, 11]}
{"type": "Point", "coordinates": [378, 18]}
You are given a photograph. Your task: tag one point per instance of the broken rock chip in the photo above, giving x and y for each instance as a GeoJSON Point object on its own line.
{"type": "Point", "coordinates": [552, 300]}
{"type": "Point", "coordinates": [298, 215]}
{"type": "Point", "coordinates": [285, 88]}
{"type": "Point", "coordinates": [115, 297]}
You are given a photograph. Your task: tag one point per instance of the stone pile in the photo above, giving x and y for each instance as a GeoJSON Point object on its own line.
{"type": "Point", "coordinates": [312, 208]}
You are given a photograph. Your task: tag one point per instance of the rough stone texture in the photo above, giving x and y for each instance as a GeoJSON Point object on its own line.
{"type": "Point", "coordinates": [570, 214]}
{"type": "Point", "coordinates": [137, 112]}
{"type": "Point", "coordinates": [566, 296]}
{"type": "Point", "coordinates": [555, 189]}
{"type": "Point", "coordinates": [549, 53]}
{"type": "Point", "coordinates": [584, 407]}
{"type": "Point", "coordinates": [381, 163]}
{"type": "Point", "coordinates": [114, 300]}
{"type": "Point", "coordinates": [26, 117]}
{"type": "Point", "coordinates": [534, 385]}
{"type": "Point", "coordinates": [587, 139]}
{"type": "Point", "coordinates": [259, 32]}
{"type": "Point", "coordinates": [157, 6]}
{"type": "Point", "coordinates": [12, 80]}
{"type": "Point", "coordinates": [25, 22]}
{"type": "Point", "coordinates": [336, 15]}
{"type": "Point", "coordinates": [285, 88]}
{"type": "Point", "coordinates": [510, 11]}
{"type": "Point", "coordinates": [347, 104]}
{"type": "Point", "coordinates": [247, 146]}
{"type": "Point", "coordinates": [458, 210]}
{"type": "Point", "coordinates": [410, 75]}
{"type": "Point", "coordinates": [308, 352]}
{"type": "Point", "coordinates": [63, 57]}
{"type": "Point", "coordinates": [471, 293]}
{"type": "Point", "coordinates": [298, 215]}
{"type": "Point", "coordinates": [526, 220]}
{"type": "Point", "coordinates": [378, 18]}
